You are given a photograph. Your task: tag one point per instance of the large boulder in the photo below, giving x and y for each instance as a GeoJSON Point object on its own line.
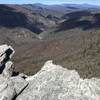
{"type": "Point", "coordinates": [54, 82]}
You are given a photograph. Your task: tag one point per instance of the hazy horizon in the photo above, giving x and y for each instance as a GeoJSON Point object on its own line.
{"type": "Point", "coordinates": [49, 2]}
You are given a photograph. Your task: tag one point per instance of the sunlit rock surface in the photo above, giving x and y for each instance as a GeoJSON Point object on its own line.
{"type": "Point", "coordinates": [9, 86]}
{"type": "Point", "coordinates": [54, 82]}
{"type": "Point", "coordinates": [6, 53]}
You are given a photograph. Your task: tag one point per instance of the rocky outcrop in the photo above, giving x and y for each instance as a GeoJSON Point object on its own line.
{"type": "Point", "coordinates": [52, 82]}
{"type": "Point", "coordinates": [10, 86]}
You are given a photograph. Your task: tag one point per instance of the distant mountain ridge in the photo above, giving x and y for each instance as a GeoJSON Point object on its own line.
{"type": "Point", "coordinates": [65, 7]}
{"type": "Point", "coordinates": [33, 19]}
{"type": "Point", "coordinates": [68, 34]}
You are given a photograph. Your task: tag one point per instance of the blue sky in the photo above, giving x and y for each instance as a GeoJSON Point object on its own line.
{"type": "Point", "coordinates": [95, 2]}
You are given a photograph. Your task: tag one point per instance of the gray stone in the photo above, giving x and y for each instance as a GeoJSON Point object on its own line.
{"type": "Point", "coordinates": [6, 53]}
{"type": "Point", "coordinates": [7, 90]}
{"type": "Point", "coordinates": [54, 82]}
{"type": "Point", "coordinates": [19, 84]}
{"type": "Point", "coordinates": [23, 75]}
{"type": "Point", "coordinates": [8, 70]}
{"type": "Point", "coordinates": [9, 86]}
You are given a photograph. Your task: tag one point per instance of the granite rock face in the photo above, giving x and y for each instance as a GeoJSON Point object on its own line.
{"type": "Point", "coordinates": [9, 86]}
{"type": "Point", "coordinates": [6, 53]}
{"type": "Point", "coordinates": [53, 82]}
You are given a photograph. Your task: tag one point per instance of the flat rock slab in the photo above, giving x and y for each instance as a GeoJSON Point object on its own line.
{"type": "Point", "coordinates": [19, 84]}
{"type": "Point", "coordinates": [9, 88]}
